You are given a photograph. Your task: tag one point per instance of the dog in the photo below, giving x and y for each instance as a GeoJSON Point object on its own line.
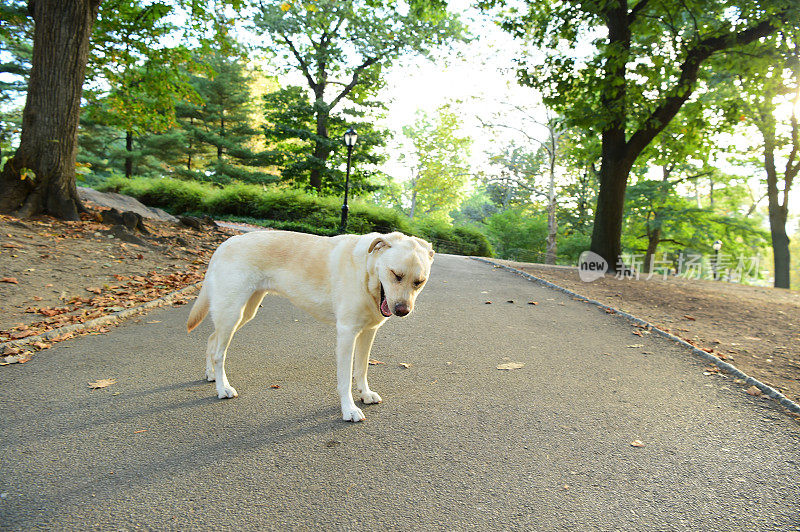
{"type": "Point", "coordinates": [353, 281]}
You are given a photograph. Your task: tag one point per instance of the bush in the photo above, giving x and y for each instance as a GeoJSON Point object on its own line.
{"type": "Point", "coordinates": [461, 240]}
{"type": "Point", "coordinates": [294, 210]}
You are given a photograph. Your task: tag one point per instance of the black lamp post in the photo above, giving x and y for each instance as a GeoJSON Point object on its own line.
{"type": "Point", "coordinates": [350, 138]}
{"type": "Point", "coordinates": [716, 246]}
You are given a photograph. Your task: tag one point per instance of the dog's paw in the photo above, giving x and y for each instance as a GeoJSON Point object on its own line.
{"type": "Point", "coordinates": [210, 377]}
{"type": "Point", "coordinates": [370, 397]}
{"type": "Point", "coordinates": [355, 414]}
{"type": "Point", "coordinates": [226, 392]}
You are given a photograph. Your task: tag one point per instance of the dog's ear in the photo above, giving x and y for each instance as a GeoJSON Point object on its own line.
{"type": "Point", "coordinates": [427, 245]}
{"type": "Point", "coordinates": [378, 244]}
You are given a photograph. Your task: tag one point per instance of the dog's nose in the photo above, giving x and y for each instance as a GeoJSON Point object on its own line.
{"type": "Point", "coordinates": [401, 309]}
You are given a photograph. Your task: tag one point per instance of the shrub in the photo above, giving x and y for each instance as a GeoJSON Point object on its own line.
{"type": "Point", "coordinates": [461, 240]}
{"type": "Point", "coordinates": [294, 210]}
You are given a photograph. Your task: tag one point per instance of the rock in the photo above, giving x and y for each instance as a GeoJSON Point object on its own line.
{"type": "Point", "coordinates": [131, 220]}
{"type": "Point", "coordinates": [123, 203]}
{"type": "Point", "coordinates": [121, 232]}
{"type": "Point", "coordinates": [192, 221]}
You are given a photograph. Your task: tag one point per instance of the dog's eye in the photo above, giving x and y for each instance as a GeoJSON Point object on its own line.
{"type": "Point", "coordinates": [417, 284]}
{"type": "Point", "coordinates": [397, 277]}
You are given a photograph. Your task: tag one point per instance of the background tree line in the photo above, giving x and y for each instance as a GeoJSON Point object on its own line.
{"type": "Point", "coordinates": [636, 147]}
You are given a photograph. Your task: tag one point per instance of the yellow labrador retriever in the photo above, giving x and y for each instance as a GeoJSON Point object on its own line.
{"type": "Point", "coordinates": [355, 282]}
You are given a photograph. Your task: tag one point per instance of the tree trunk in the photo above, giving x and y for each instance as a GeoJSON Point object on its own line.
{"type": "Point", "coordinates": [607, 231]}
{"type": "Point", "coordinates": [40, 177]}
{"type": "Point", "coordinates": [552, 223]}
{"type": "Point", "coordinates": [413, 203]}
{"type": "Point", "coordinates": [780, 248]}
{"type": "Point", "coordinates": [129, 155]}
{"type": "Point", "coordinates": [653, 239]}
{"type": "Point", "coordinates": [321, 151]}
{"type": "Point", "coordinates": [221, 135]}
{"type": "Point", "coordinates": [777, 213]}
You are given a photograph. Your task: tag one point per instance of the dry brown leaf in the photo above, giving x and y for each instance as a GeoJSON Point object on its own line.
{"type": "Point", "coordinates": [274, 386]}
{"type": "Point", "coordinates": [690, 318]}
{"type": "Point", "coordinates": [488, 302]}
{"type": "Point", "coordinates": [102, 383]}
{"type": "Point", "coordinates": [533, 302]}
{"type": "Point", "coordinates": [94, 290]}
{"type": "Point", "coordinates": [373, 362]}
{"type": "Point", "coordinates": [754, 391]}
{"type": "Point", "coordinates": [637, 443]}
{"type": "Point", "coordinates": [12, 280]}
{"type": "Point", "coordinates": [511, 365]}
{"type": "Point", "coordinates": [404, 365]}
{"type": "Point", "coordinates": [635, 346]}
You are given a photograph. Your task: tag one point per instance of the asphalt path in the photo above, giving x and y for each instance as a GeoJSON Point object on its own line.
{"type": "Point", "coordinates": [457, 444]}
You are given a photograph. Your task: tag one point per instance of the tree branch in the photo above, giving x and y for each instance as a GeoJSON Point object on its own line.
{"type": "Point", "coordinates": [300, 61]}
{"type": "Point", "coordinates": [354, 81]}
{"type": "Point", "coordinates": [636, 9]}
{"type": "Point", "coordinates": [685, 85]}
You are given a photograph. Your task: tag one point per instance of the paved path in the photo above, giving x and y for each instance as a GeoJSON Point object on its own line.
{"type": "Point", "coordinates": [456, 444]}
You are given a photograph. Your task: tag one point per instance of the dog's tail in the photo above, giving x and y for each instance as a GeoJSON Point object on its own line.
{"type": "Point", "coordinates": [199, 310]}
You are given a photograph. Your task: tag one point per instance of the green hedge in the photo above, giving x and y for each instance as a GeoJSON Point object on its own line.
{"type": "Point", "coordinates": [293, 210]}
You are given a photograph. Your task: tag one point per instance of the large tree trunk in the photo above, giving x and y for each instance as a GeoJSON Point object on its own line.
{"type": "Point", "coordinates": [607, 231]}
{"type": "Point", "coordinates": [40, 177]}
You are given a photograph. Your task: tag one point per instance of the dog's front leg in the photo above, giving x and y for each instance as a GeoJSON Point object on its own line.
{"type": "Point", "coordinates": [345, 342]}
{"type": "Point", "coordinates": [363, 347]}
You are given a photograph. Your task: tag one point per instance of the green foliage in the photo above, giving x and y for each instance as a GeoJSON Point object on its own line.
{"type": "Point", "coordinates": [292, 136]}
{"type": "Point", "coordinates": [293, 210]}
{"type": "Point", "coordinates": [518, 234]}
{"type": "Point", "coordinates": [458, 240]}
{"type": "Point", "coordinates": [439, 161]}
{"type": "Point", "coordinates": [342, 50]}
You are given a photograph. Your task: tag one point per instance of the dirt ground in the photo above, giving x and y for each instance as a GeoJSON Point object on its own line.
{"type": "Point", "coordinates": [55, 273]}
{"type": "Point", "coordinates": [754, 328]}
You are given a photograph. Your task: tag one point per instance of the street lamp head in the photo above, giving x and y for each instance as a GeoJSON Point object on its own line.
{"type": "Point", "coordinates": [350, 137]}
{"type": "Point", "coordinates": [717, 245]}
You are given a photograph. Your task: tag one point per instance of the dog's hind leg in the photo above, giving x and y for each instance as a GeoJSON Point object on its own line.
{"type": "Point", "coordinates": [363, 347]}
{"type": "Point", "coordinates": [225, 322]}
{"type": "Point", "coordinates": [212, 346]}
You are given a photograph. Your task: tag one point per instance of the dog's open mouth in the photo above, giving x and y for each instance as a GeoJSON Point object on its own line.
{"type": "Point", "coordinates": [384, 306]}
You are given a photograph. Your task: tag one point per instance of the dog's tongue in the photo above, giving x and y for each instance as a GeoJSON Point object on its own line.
{"type": "Point", "coordinates": [385, 308]}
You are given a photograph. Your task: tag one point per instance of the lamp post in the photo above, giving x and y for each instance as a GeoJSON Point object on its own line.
{"type": "Point", "coordinates": [716, 246]}
{"type": "Point", "coordinates": [350, 138]}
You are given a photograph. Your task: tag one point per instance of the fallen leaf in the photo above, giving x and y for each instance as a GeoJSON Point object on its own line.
{"type": "Point", "coordinates": [404, 365]}
{"type": "Point", "coordinates": [488, 302]}
{"type": "Point", "coordinates": [11, 245]}
{"type": "Point", "coordinates": [102, 383]}
{"type": "Point", "coordinates": [510, 365]}
{"type": "Point", "coordinates": [533, 302]}
{"type": "Point", "coordinates": [690, 318]}
{"type": "Point", "coordinates": [635, 346]}
{"type": "Point", "coordinates": [754, 391]}
{"type": "Point", "coordinates": [638, 333]}
{"type": "Point", "coordinates": [40, 345]}
{"type": "Point", "coordinates": [274, 386]}
{"type": "Point", "coordinates": [637, 443]}
{"type": "Point", "coordinates": [373, 362]}
{"type": "Point", "coordinates": [94, 290]}
{"type": "Point", "coordinates": [139, 431]}
{"type": "Point", "coordinates": [153, 321]}
{"type": "Point", "coordinates": [510, 301]}
{"type": "Point", "coordinates": [12, 280]}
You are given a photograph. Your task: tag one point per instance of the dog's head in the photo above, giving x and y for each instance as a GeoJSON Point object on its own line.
{"type": "Point", "coordinates": [402, 264]}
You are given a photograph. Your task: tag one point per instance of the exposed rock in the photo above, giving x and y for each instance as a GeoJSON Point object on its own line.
{"type": "Point", "coordinates": [123, 203]}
